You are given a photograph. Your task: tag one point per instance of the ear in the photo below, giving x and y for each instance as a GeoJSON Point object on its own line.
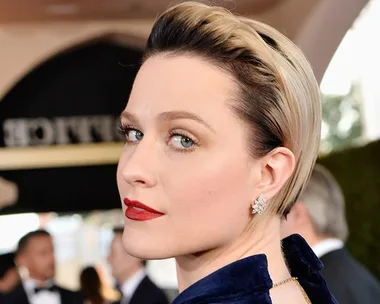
{"type": "Point", "coordinates": [299, 213]}
{"type": "Point", "coordinates": [276, 168]}
{"type": "Point", "coordinates": [20, 259]}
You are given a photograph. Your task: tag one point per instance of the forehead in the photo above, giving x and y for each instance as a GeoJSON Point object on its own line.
{"type": "Point", "coordinates": [179, 83]}
{"type": "Point", "coordinates": [39, 241]}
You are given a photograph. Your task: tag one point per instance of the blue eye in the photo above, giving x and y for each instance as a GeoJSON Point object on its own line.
{"type": "Point", "coordinates": [177, 140]}
{"type": "Point", "coordinates": [131, 134]}
{"type": "Point", "coordinates": [182, 142]}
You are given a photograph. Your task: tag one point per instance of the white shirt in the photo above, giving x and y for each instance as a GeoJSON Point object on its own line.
{"type": "Point", "coordinates": [42, 297]}
{"type": "Point", "coordinates": [129, 287]}
{"type": "Point", "coordinates": [322, 248]}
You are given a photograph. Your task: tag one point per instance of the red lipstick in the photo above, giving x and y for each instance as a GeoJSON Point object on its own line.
{"type": "Point", "coordinates": [137, 211]}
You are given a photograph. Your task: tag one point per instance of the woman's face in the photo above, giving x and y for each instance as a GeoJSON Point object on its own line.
{"type": "Point", "coordinates": [186, 157]}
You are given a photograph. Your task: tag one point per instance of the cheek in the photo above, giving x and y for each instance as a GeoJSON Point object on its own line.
{"type": "Point", "coordinates": [120, 165]}
{"type": "Point", "coordinates": [33, 263]}
{"type": "Point", "coordinates": [41, 261]}
{"type": "Point", "coordinates": [119, 178]}
{"type": "Point", "coordinates": [121, 183]}
{"type": "Point", "coordinates": [216, 191]}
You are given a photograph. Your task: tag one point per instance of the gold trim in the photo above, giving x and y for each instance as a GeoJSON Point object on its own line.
{"type": "Point", "coordinates": [59, 156]}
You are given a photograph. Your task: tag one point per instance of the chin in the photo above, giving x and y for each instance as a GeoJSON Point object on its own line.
{"type": "Point", "coordinates": [49, 276]}
{"type": "Point", "coordinates": [145, 247]}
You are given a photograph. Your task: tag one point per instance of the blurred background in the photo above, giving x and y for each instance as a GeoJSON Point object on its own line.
{"type": "Point", "coordinates": [67, 67]}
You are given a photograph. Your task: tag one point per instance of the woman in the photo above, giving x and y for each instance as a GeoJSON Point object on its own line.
{"type": "Point", "coordinates": [93, 287]}
{"type": "Point", "coordinates": [222, 130]}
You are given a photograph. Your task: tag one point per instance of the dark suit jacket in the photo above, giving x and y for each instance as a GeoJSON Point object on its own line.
{"type": "Point", "coordinates": [18, 296]}
{"type": "Point", "coordinates": [148, 293]}
{"type": "Point", "coordinates": [348, 280]}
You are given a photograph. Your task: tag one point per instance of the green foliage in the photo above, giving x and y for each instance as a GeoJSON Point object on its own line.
{"type": "Point", "coordinates": [358, 172]}
{"type": "Point", "coordinates": [342, 120]}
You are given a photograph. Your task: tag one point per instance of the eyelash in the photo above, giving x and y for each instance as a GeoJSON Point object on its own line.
{"type": "Point", "coordinates": [124, 129]}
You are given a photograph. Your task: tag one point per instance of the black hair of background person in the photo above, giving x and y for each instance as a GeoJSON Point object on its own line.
{"type": "Point", "coordinates": [6, 263]}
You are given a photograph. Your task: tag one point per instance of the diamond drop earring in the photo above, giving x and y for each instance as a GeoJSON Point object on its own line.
{"type": "Point", "coordinates": [259, 205]}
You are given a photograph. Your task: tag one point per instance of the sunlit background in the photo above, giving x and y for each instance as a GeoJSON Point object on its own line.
{"type": "Point", "coordinates": [350, 86]}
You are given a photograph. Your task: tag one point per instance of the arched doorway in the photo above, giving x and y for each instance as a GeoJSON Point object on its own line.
{"type": "Point", "coordinates": [71, 100]}
{"type": "Point", "coordinates": [350, 84]}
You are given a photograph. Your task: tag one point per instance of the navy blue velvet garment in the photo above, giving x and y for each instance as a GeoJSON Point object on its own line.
{"type": "Point", "coordinates": [248, 281]}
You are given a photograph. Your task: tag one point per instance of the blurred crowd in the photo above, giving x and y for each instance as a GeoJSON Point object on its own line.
{"type": "Point", "coordinates": [27, 276]}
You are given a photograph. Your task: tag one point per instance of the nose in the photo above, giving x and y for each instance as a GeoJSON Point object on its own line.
{"type": "Point", "coordinates": [137, 167]}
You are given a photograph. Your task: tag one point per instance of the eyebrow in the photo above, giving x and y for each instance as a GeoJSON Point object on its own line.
{"type": "Point", "coordinates": [170, 115]}
{"type": "Point", "coordinates": [129, 116]}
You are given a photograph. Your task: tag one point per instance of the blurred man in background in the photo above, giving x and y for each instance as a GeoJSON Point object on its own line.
{"type": "Point", "coordinates": [129, 273]}
{"type": "Point", "coordinates": [35, 254]}
{"type": "Point", "coordinates": [319, 216]}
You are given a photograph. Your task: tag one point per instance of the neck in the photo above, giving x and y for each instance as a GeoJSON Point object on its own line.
{"type": "Point", "coordinates": [40, 281]}
{"type": "Point", "coordinates": [264, 240]}
{"type": "Point", "coordinates": [124, 277]}
{"type": "Point", "coordinates": [313, 237]}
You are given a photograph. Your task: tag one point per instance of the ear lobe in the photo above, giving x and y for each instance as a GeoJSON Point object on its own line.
{"type": "Point", "coordinates": [276, 168]}
{"type": "Point", "coordinates": [19, 260]}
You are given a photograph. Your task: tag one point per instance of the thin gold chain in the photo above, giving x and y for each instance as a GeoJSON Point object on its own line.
{"type": "Point", "coordinates": [295, 280]}
{"type": "Point", "coordinates": [306, 297]}
{"type": "Point", "coordinates": [284, 282]}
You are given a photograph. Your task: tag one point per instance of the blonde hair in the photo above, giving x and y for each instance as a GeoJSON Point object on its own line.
{"type": "Point", "coordinates": [278, 97]}
{"type": "Point", "coordinates": [324, 200]}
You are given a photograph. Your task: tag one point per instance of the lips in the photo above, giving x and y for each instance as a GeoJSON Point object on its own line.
{"type": "Point", "coordinates": [137, 211]}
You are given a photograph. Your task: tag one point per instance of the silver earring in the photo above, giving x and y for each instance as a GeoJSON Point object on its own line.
{"type": "Point", "coordinates": [259, 205]}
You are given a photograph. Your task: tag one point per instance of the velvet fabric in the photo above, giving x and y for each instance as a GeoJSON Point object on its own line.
{"type": "Point", "coordinates": [248, 280]}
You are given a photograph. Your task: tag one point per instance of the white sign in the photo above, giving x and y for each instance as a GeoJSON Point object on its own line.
{"type": "Point", "coordinates": [23, 132]}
